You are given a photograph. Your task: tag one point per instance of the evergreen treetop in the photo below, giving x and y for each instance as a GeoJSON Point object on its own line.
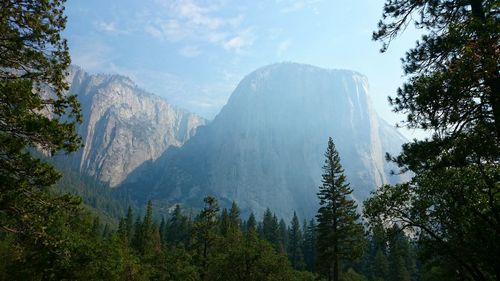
{"type": "Point", "coordinates": [340, 234]}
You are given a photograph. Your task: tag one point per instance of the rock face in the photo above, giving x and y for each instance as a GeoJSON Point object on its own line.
{"type": "Point", "coordinates": [123, 126]}
{"type": "Point", "coordinates": [266, 147]}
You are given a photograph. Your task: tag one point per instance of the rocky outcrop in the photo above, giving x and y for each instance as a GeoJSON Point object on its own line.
{"type": "Point", "coordinates": [266, 147]}
{"type": "Point", "coordinates": [123, 126]}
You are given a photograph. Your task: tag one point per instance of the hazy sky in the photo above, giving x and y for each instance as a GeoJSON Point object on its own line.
{"type": "Point", "coordinates": [195, 52]}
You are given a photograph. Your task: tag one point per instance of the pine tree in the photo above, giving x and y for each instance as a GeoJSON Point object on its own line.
{"type": "Point", "coordinates": [282, 236]}
{"type": "Point", "coordinates": [251, 224]}
{"type": "Point", "coordinates": [96, 228]}
{"type": "Point", "coordinates": [376, 263]}
{"type": "Point", "coordinates": [295, 244]}
{"type": "Point", "coordinates": [234, 216]}
{"type": "Point", "coordinates": [178, 228]}
{"type": "Point", "coordinates": [400, 257]}
{"type": "Point", "coordinates": [137, 237]}
{"type": "Point", "coordinates": [129, 224]}
{"type": "Point", "coordinates": [452, 92]}
{"type": "Point", "coordinates": [225, 223]}
{"type": "Point", "coordinates": [310, 245]}
{"type": "Point", "coordinates": [163, 231]}
{"type": "Point", "coordinates": [270, 228]}
{"type": "Point", "coordinates": [340, 235]}
{"type": "Point", "coordinates": [143, 240]}
{"type": "Point", "coordinates": [35, 112]}
{"type": "Point", "coordinates": [205, 231]}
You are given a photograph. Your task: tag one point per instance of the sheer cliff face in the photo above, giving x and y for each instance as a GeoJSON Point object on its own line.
{"type": "Point", "coordinates": [123, 126]}
{"type": "Point", "coordinates": [266, 147]}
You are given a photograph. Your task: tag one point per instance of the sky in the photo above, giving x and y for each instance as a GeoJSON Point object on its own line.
{"type": "Point", "coordinates": [194, 52]}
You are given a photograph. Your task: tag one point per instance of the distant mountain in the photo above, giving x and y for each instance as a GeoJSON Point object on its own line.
{"type": "Point", "coordinates": [266, 147]}
{"type": "Point", "coordinates": [123, 126]}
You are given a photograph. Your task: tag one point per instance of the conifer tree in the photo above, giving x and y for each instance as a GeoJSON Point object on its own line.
{"type": "Point", "coordinates": [205, 231]}
{"type": "Point", "coordinates": [375, 263]}
{"type": "Point", "coordinates": [282, 236]}
{"type": "Point", "coordinates": [310, 245]}
{"type": "Point", "coordinates": [35, 112]}
{"type": "Point", "coordinates": [270, 228]}
{"type": "Point", "coordinates": [251, 224]}
{"type": "Point", "coordinates": [163, 231]}
{"type": "Point", "coordinates": [340, 235]}
{"type": "Point", "coordinates": [452, 92]}
{"type": "Point", "coordinates": [96, 228]}
{"type": "Point", "coordinates": [147, 229]}
{"type": "Point", "coordinates": [295, 244]}
{"type": "Point", "coordinates": [178, 227]}
{"type": "Point", "coordinates": [400, 259]}
{"type": "Point", "coordinates": [137, 237]}
{"type": "Point", "coordinates": [129, 224]}
{"type": "Point", "coordinates": [225, 223]}
{"type": "Point", "coordinates": [234, 215]}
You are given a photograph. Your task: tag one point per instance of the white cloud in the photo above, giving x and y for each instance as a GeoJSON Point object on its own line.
{"type": "Point", "coordinates": [241, 41]}
{"type": "Point", "coordinates": [91, 56]}
{"type": "Point", "coordinates": [153, 31]}
{"type": "Point", "coordinates": [197, 15]}
{"type": "Point", "coordinates": [106, 26]}
{"type": "Point", "coordinates": [110, 26]}
{"type": "Point", "coordinates": [172, 30]}
{"type": "Point", "coordinates": [290, 6]}
{"type": "Point", "coordinates": [192, 23]}
{"type": "Point", "coordinates": [283, 46]}
{"type": "Point", "coordinates": [190, 51]}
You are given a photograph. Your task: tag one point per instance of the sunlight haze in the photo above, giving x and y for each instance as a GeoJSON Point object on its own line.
{"type": "Point", "coordinates": [194, 53]}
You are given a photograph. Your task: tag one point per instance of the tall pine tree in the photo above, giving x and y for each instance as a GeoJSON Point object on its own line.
{"type": "Point", "coordinates": [205, 232]}
{"type": "Point", "coordinates": [295, 242]}
{"type": "Point", "coordinates": [340, 234]}
{"type": "Point", "coordinates": [309, 245]}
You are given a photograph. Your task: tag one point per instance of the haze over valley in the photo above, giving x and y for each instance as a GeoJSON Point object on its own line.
{"type": "Point", "coordinates": [281, 140]}
{"type": "Point", "coordinates": [264, 148]}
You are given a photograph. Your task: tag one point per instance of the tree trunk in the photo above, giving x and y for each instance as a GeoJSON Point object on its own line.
{"type": "Point", "coordinates": [336, 267]}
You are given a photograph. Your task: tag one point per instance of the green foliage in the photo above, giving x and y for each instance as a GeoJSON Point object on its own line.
{"type": "Point", "coordinates": [452, 203]}
{"type": "Point", "coordinates": [251, 224]}
{"type": "Point", "coordinates": [205, 233]}
{"type": "Point", "coordinates": [309, 245]}
{"type": "Point", "coordinates": [269, 230]}
{"type": "Point", "coordinates": [95, 195]}
{"type": "Point", "coordinates": [282, 236]}
{"type": "Point", "coordinates": [352, 275]}
{"type": "Point", "coordinates": [178, 228]}
{"type": "Point", "coordinates": [295, 244]}
{"type": "Point", "coordinates": [35, 113]}
{"type": "Point", "coordinates": [453, 72]}
{"type": "Point", "coordinates": [340, 234]}
{"type": "Point", "coordinates": [451, 212]}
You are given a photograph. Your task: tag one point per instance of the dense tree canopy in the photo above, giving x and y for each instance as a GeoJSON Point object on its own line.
{"type": "Point", "coordinates": [34, 110]}
{"type": "Point", "coordinates": [452, 203]}
{"type": "Point", "coordinates": [453, 80]}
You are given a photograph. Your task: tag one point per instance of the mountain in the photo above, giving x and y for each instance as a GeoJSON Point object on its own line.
{"type": "Point", "coordinates": [266, 146]}
{"type": "Point", "coordinates": [123, 126]}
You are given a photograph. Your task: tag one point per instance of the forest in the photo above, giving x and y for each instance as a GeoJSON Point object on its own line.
{"type": "Point", "coordinates": [444, 224]}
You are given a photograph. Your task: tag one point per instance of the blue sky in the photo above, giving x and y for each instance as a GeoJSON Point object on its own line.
{"type": "Point", "coordinates": [195, 52]}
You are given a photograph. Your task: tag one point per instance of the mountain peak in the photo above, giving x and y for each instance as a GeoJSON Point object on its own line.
{"type": "Point", "coordinates": [265, 148]}
{"type": "Point", "coordinates": [124, 126]}
{"type": "Point", "coordinates": [301, 68]}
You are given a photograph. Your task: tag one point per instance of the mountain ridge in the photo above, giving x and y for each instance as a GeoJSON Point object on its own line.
{"type": "Point", "coordinates": [266, 145]}
{"type": "Point", "coordinates": [123, 126]}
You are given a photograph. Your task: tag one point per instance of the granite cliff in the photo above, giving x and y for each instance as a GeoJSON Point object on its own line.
{"type": "Point", "coordinates": [124, 126]}
{"type": "Point", "coordinates": [265, 148]}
